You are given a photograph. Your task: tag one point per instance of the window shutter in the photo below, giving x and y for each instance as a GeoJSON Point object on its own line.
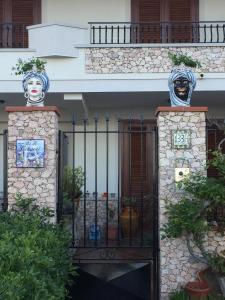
{"type": "Point", "coordinates": [180, 11]}
{"type": "Point", "coordinates": [22, 15]}
{"type": "Point", "coordinates": [149, 12]}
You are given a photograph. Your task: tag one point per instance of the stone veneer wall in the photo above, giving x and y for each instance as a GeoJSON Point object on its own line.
{"type": "Point", "coordinates": [177, 268]}
{"type": "Point", "coordinates": [39, 183]}
{"type": "Point", "coordinates": [150, 59]}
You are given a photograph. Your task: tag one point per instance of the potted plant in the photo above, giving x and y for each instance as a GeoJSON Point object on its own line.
{"type": "Point", "coordinates": [35, 80]}
{"type": "Point", "coordinates": [188, 217]}
{"type": "Point", "coordinates": [112, 228]}
{"type": "Point", "coordinates": [129, 217]}
{"type": "Point", "coordinates": [73, 182]}
{"type": "Point", "coordinates": [32, 64]}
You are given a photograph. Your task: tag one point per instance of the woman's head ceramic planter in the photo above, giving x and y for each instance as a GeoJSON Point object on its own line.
{"type": "Point", "coordinates": [181, 83]}
{"type": "Point", "coordinates": [35, 85]}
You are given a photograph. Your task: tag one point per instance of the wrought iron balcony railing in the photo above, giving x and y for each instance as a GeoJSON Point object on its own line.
{"type": "Point", "coordinates": [13, 35]}
{"type": "Point", "coordinates": [157, 32]}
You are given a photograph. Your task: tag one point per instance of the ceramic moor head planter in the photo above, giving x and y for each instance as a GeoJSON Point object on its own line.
{"type": "Point", "coordinates": [181, 83]}
{"type": "Point", "coordinates": [35, 85]}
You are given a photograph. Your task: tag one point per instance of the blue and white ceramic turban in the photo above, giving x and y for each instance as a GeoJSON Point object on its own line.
{"type": "Point", "coordinates": [176, 74]}
{"type": "Point", "coordinates": [40, 75]}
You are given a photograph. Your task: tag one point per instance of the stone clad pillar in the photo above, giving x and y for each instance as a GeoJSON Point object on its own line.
{"type": "Point", "coordinates": [176, 266]}
{"type": "Point", "coordinates": [29, 123]}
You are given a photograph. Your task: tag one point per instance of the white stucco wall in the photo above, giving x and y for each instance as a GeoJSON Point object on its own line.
{"type": "Point", "coordinates": [84, 11]}
{"type": "Point", "coordinates": [211, 10]}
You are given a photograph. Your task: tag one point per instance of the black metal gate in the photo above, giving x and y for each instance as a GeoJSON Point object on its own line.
{"type": "Point", "coordinates": [115, 216]}
{"type": "Point", "coordinates": [3, 170]}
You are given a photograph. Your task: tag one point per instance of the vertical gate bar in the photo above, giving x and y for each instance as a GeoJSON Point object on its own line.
{"type": "Point", "coordinates": [136, 33]}
{"type": "Point", "coordinates": [93, 34]}
{"type": "Point", "coordinates": [59, 196]}
{"type": "Point", "coordinates": [118, 34]}
{"type": "Point", "coordinates": [142, 185]}
{"type": "Point", "coordinates": [223, 33]}
{"type": "Point", "coordinates": [73, 191]}
{"type": "Point", "coordinates": [211, 32]}
{"type": "Point", "coordinates": [217, 32]}
{"type": "Point", "coordinates": [5, 168]}
{"type": "Point", "coordinates": [129, 151]}
{"type": "Point", "coordinates": [124, 34]}
{"type": "Point", "coordinates": [106, 33]}
{"type": "Point", "coordinates": [204, 33]}
{"type": "Point", "coordinates": [130, 33]}
{"type": "Point", "coordinates": [99, 34]}
{"type": "Point", "coordinates": [112, 28]}
{"type": "Point", "coordinates": [118, 185]}
{"type": "Point", "coordinates": [156, 248]}
{"type": "Point", "coordinates": [107, 179]}
{"type": "Point", "coordinates": [96, 179]}
{"type": "Point", "coordinates": [85, 176]}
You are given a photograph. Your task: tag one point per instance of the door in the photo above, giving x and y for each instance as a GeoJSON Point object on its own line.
{"type": "Point", "coordinates": [138, 168]}
{"type": "Point", "coordinates": [165, 20]}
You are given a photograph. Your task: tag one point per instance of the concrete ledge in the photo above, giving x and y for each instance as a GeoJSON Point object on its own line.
{"type": "Point", "coordinates": [148, 45]}
{"type": "Point", "coordinates": [181, 109]}
{"type": "Point", "coordinates": [32, 108]}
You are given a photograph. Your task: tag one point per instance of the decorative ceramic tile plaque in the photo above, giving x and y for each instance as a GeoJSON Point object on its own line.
{"type": "Point", "coordinates": [30, 153]}
{"type": "Point", "coordinates": [181, 139]}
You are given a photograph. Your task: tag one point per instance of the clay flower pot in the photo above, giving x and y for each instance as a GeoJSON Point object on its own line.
{"type": "Point", "coordinates": [197, 289]}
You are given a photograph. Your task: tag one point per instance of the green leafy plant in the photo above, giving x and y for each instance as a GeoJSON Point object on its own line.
{"type": "Point", "coordinates": [111, 212]}
{"type": "Point", "coordinates": [32, 64]}
{"type": "Point", "coordinates": [188, 217]}
{"type": "Point", "coordinates": [179, 59]}
{"type": "Point", "coordinates": [34, 258]}
{"type": "Point", "coordinates": [179, 295]}
{"type": "Point", "coordinates": [129, 201]}
{"type": "Point", "coordinates": [73, 182]}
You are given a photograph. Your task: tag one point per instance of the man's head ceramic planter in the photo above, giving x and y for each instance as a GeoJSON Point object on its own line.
{"type": "Point", "coordinates": [181, 83]}
{"type": "Point", "coordinates": [35, 85]}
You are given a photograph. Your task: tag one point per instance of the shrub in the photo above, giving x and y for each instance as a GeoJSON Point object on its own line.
{"type": "Point", "coordinates": [188, 217]}
{"type": "Point", "coordinates": [34, 257]}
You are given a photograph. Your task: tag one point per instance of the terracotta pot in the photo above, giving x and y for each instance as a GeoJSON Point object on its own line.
{"type": "Point", "coordinates": [197, 289]}
{"type": "Point", "coordinates": [112, 232]}
{"type": "Point", "coordinates": [129, 216]}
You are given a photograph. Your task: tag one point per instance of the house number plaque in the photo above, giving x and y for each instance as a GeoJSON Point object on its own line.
{"type": "Point", "coordinates": [181, 139]}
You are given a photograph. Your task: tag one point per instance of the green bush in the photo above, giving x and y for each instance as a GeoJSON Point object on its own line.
{"type": "Point", "coordinates": [178, 295]}
{"type": "Point", "coordinates": [188, 217]}
{"type": "Point", "coordinates": [34, 257]}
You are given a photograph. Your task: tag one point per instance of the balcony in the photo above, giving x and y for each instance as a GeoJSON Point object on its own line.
{"type": "Point", "coordinates": [164, 32]}
{"type": "Point", "coordinates": [13, 35]}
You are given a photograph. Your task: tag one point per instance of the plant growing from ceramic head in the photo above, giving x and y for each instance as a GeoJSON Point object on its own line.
{"type": "Point", "coordinates": [182, 80]}
{"type": "Point", "coordinates": [35, 80]}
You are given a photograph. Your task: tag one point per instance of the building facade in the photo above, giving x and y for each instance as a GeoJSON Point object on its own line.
{"type": "Point", "coordinates": [108, 66]}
